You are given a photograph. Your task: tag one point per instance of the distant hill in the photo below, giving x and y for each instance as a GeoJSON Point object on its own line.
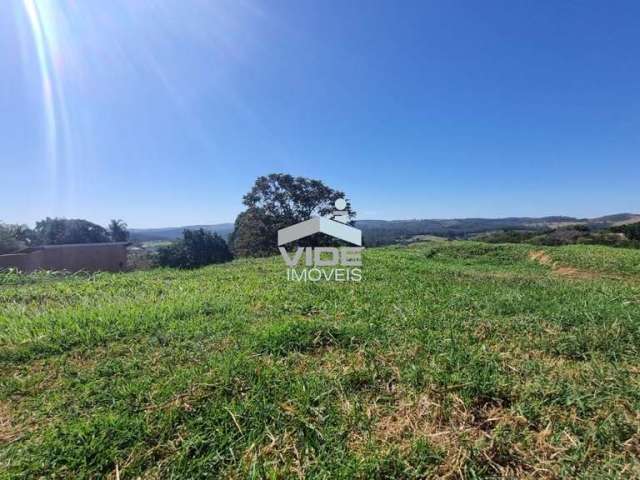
{"type": "Point", "coordinates": [172, 233]}
{"type": "Point", "coordinates": [380, 232]}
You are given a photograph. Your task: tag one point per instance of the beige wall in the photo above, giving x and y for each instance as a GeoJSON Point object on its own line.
{"type": "Point", "coordinates": [73, 258]}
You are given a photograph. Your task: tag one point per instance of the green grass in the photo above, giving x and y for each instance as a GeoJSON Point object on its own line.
{"type": "Point", "coordinates": [599, 258]}
{"type": "Point", "coordinates": [455, 358]}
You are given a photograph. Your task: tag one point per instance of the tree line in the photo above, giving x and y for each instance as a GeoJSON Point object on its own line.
{"type": "Point", "coordinates": [275, 201]}
{"type": "Point", "coordinates": [60, 231]}
{"type": "Point", "coordinates": [623, 236]}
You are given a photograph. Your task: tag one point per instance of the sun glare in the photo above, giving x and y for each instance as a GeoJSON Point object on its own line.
{"type": "Point", "coordinates": [56, 119]}
{"type": "Point", "coordinates": [89, 50]}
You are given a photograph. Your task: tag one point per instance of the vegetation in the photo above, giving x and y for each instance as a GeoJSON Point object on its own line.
{"type": "Point", "coordinates": [511, 236]}
{"type": "Point", "coordinates": [451, 358]}
{"type": "Point", "coordinates": [253, 236]}
{"type": "Point", "coordinates": [277, 201]}
{"type": "Point", "coordinates": [388, 232]}
{"type": "Point", "coordinates": [11, 238]}
{"type": "Point", "coordinates": [631, 230]}
{"type": "Point", "coordinates": [547, 230]}
{"type": "Point", "coordinates": [380, 232]}
{"type": "Point", "coordinates": [196, 249]}
{"type": "Point", "coordinates": [144, 235]}
{"type": "Point", "coordinates": [118, 231]}
{"type": "Point", "coordinates": [57, 231]}
{"type": "Point", "coordinates": [569, 235]}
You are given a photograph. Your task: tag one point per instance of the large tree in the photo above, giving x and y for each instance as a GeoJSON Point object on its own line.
{"type": "Point", "coordinates": [277, 201]}
{"type": "Point", "coordinates": [56, 231]}
{"type": "Point", "coordinates": [252, 235]}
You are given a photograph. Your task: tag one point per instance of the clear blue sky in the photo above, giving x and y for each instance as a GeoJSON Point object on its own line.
{"type": "Point", "coordinates": [164, 112]}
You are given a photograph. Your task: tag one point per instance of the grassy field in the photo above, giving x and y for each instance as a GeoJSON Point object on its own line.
{"type": "Point", "coordinates": [460, 359]}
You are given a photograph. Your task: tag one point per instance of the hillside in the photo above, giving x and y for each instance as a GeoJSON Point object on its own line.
{"type": "Point", "coordinates": [455, 359]}
{"type": "Point", "coordinates": [377, 232]}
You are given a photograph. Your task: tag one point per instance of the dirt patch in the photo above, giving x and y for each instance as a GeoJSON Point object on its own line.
{"type": "Point", "coordinates": [571, 272]}
{"type": "Point", "coordinates": [563, 271]}
{"type": "Point", "coordinates": [541, 257]}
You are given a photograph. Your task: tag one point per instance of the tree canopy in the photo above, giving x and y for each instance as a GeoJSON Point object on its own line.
{"type": "Point", "coordinates": [292, 198]}
{"type": "Point", "coordinates": [276, 201]}
{"type": "Point", "coordinates": [10, 238]}
{"type": "Point", "coordinates": [252, 235]}
{"type": "Point", "coordinates": [631, 230]}
{"type": "Point", "coordinates": [57, 231]}
{"type": "Point", "coordinates": [196, 249]}
{"type": "Point", "coordinates": [118, 231]}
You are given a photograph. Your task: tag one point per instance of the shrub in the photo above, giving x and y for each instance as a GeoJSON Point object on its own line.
{"type": "Point", "coordinates": [631, 230]}
{"type": "Point", "coordinates": [8, 241]}
{"type": "Point", "coordinates": [509, 236]}
{"type": "Point", "coordinates": [196, 249]}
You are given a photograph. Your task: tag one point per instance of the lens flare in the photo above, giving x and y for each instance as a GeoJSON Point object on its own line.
{"type": "Point", "coordinates": [102, 67]}
{"type": "Point", "coordinates": [42, 27]}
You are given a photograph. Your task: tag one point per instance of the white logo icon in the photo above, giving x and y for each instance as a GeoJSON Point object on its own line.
{"type": "Point", "coordinates": [344, 262]}
{"type": "Point", "coordinates": [335, 225]}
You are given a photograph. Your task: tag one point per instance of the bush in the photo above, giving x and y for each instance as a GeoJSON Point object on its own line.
{"type": "Point", "coordinates": [631, 230]}
{"type": "Point", "coordinates": [196, 249]}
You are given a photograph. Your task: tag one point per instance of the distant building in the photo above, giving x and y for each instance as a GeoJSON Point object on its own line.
{"type": "Point", "coordinates": [89, 257]}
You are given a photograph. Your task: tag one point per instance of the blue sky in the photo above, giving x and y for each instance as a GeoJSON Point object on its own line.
{"type": "Point", "coordinates": [164, 112]}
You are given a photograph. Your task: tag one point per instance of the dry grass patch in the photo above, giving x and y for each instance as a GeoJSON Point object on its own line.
{"type": "Point", "coordinates": [453, 428]}
{"type": "Point", "coordinates": [564, 271]}
{"type": "Point", "coordinates": [11, 429]}
{"type": "Point", "coordinates": [8, 430]}
{"type": "Point", "coordinates": [278, 453]}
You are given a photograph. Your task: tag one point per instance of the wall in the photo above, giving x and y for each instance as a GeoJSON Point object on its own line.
{"type": "Point", "coordinates": [73, 258]}
{"type": "Point", "coordinates": [25, 262]}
